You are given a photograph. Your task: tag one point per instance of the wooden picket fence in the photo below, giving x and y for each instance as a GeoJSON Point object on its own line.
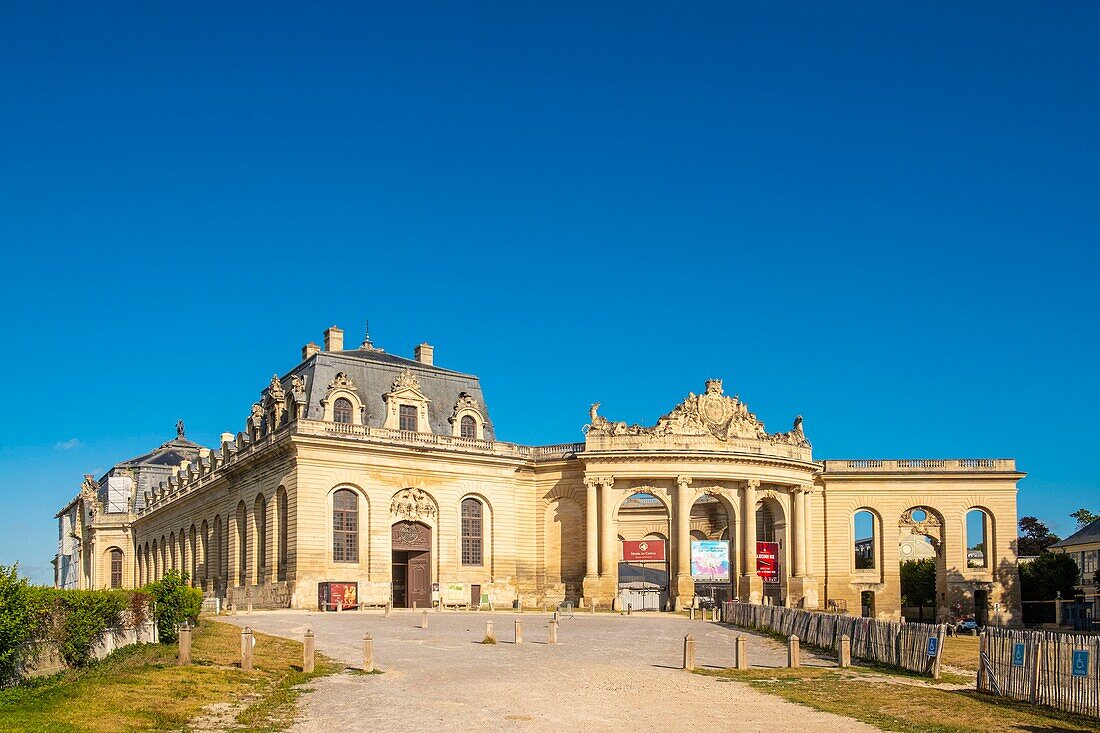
{"type": "Point", "coordinates": [885, 642]}
{"type": "Point", "coordinates": [1038, 667]}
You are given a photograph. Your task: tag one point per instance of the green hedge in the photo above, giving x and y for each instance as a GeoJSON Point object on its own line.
{"type": "Point", "coordinates": [75, 619]}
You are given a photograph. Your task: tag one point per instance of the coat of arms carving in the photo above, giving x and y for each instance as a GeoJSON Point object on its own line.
{"type": "Point", "coordinates": [412, 504]}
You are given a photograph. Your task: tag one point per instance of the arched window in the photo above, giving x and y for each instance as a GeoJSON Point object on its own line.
{"type": "Point", "coordinates": [281, 519]}
{"type": "Point", "coordinates": [345, 526]}
{"type": "Point", "coordinates": [116, 568]}
{"type": "Point", "coordinates": [260, 517]}
{"type": "Point", "coordinates": [864, 541]}
{"type": "Point", "coordinates": [471, 532]}
{"type": "Point", "coordinates": [468, 427]}
{"type": "Point", "coordinates": [977, 539]}
{"type": "Point", "coordinates": [341, 410]}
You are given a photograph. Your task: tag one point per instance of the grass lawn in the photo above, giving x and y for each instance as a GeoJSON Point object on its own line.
{"type": "Point", "coordinates": [961, 652]}
{"type": "Point", "coordinates": [889, 703]}
{"type": "Point", "coordinates": [140, 688]}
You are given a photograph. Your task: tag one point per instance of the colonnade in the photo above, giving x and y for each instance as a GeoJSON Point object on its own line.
{"type": "Point", "coordinates": [603, 551]}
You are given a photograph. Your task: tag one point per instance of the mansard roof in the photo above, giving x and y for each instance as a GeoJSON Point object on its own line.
{"type": "Point", "coordinates": [373, 372]}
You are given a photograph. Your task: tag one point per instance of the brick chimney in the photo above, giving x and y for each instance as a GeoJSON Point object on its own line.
{"type": "Point", "coordinates": [425, 354]}
{"type": "Point", "coordinates": [334, 339]}
{"type": "Point", "coordinates": [309, 350]}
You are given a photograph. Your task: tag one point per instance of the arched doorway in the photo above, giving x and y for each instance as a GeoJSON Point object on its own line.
{"type": "Point", "coordinates": [922, 572]}
{"type": "Point", "coordinates": [771, 531]}
{"type": "Point", "coordinates": [712, 554]}
{"type": "Point", "coordinates": [643, 524]}
{"type": "Point", "coordinates": [411, 570]}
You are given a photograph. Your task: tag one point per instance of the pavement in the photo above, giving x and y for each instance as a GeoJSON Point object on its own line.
{"type": "Point", "coordinates": [607, 672]}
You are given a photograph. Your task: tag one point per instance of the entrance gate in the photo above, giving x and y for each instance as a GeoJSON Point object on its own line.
{"type": "Point", "coordinates": [411, 565]}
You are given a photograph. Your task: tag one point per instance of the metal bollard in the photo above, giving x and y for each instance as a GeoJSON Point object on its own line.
{"type": "Point", "coordinates": [742, 660]}
{"type": "Point", "coordinates": [691, 613]}
{"type": "Point", "coordinates": [689, 653]}
{"type": "Point", "coordinates": [185, 644]}
{"type": "Point", "coordinates": [553, 637]}
{"type": "Point", "coordinates": [519, 632]}
{"type": "Point", "coordinates": [629, 608]}
{"type": "Point", "coordinates": [246, 650]}
{"type": "Point", "coordinates": [368, 653]}
{"type": "Point", "coordinates": [308, 654]}
{"type": "Point", "coordinates": [339, 606]}
{"type": "Point", "coordinates": [386, 613]}
{"type": "Point", "coordinates": [423, 619]}
{"type": "Point", "coordinates": [792, 653]}
{"type": "Point", "coordinates": [844, 654]}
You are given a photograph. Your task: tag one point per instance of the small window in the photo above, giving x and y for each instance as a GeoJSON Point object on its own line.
{"type": "Point", "coordinates": [468, 427]}
{"type": "Point", "coordinates": [408, 418]}
{"type": "Point", "coordinates": [471, 532]}
{"type": "Point", "coordinates": [345, 526]}
{"type": "Point", "coordinates": [116, 568]}
{"type": "Point", "coordinates": [341, 410]}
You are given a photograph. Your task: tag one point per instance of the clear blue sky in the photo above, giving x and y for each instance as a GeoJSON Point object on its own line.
{"type": "Point", "coordinates": [881, 216]}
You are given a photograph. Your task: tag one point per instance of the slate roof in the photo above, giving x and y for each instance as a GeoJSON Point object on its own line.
{"type": "Point", "coordinates": [1088, 533]}
{"type": "Point", "coordinates": [168, 454]}
{"type": "Point", "coordinates": [373, 372]}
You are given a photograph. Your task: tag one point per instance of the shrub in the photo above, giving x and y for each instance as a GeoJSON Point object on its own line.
{"type": "Point", "coordinates": [176, 602]}
{"type": "Point", "coordinates": [16, 621]}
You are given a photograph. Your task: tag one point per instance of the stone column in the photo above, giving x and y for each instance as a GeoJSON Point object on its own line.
{"type": "Point", "coordinates": [591, 529]}
{"type": "Point", "coordinates": [750, 587]}
{"type": "Point", "coordinates": [685, 586]}
{"type": "Point", "coordinates": [807, 517]}
{"type": "Point", "coordinates": [798, 532]}
{"type": "Point", "coordinates": [802, 590]}
{"type": "Point", "coordinates": [609, 561]}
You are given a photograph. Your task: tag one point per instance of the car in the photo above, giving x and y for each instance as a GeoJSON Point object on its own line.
{"type": "Point", "coordinates": [967, 624]}
{"type": "Point", "coordinates": [706, 602]}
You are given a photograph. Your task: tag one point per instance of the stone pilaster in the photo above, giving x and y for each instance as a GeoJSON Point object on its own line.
{"type": "Point", "coordinates": [684, 585]}
{"type": "Point", "coordinates": [750, 588]}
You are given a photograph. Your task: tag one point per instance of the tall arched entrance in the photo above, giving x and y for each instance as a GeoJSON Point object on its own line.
{"type": "Point", "coordinates": [643, 579]}
{"type": "Point", "coordinates": [411, 569]}
{"type": "Point", "coordinates": [712, 551]}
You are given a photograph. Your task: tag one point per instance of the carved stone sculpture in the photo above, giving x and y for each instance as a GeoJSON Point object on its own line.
{"type": "Point", "coordinates": [412, 504]}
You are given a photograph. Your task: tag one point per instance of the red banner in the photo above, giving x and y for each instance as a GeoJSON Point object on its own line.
{"type": "Point", "coordinates": [767, 561]}
{"type": "Point", "coordinates": [644, 551]}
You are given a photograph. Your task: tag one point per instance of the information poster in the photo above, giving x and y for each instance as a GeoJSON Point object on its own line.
{"type": "Point", "coordinates": [710, 560]}
{"type": "Point", "coordinates": [767, 562]}
{"type": "Point", "coordinates": [644, 551]}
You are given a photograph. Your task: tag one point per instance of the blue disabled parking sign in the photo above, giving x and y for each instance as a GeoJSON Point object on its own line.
{"type": "Point", "coordinates": [933, 646]}
{"type": "Point", "coordinates": [1080, 663]}
{"type": "Point", "coordinates": [1018, 654]}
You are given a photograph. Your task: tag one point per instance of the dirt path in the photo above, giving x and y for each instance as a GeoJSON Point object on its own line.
{"type": "Point", "coordinates": [607, 673]}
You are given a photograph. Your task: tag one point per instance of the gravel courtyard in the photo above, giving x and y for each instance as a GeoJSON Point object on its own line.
{"type": "Point", "coordinates": [607, 672]}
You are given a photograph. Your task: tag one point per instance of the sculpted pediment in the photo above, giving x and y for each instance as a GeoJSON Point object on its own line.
{"type": "Point", "coordinates": [711, 413]}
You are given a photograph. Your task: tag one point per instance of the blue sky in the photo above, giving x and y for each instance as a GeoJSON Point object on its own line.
{"type": "Point", "coordinates": [883, 217]}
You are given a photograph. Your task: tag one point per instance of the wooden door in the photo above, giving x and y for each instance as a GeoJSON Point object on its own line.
{"type": "Point", "coordinates": [420, 579]}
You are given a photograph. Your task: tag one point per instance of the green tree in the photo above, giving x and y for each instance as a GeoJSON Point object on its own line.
{"type": "Point", "coordinates": [1047, 576]}
{"type": "Point", "coordinates": [1035, 537]}
{"type": "Point", "coordinates": [1084, 517]}
{"type": "Point", "coordinates": [176, 602]}
{"type": "Point", "coordinates": [918, 583]}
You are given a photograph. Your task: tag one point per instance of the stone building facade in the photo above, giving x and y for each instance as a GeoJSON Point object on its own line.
{"type": "Point", "coordinates": [359, 466]}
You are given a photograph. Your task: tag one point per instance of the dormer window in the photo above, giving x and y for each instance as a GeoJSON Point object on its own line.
{"type": "Point", "coordinates": [341, 411]}
{"type": "Point", "coordinates": [408, 418]}
{"type": "Point", "coordinates": [468, 427]}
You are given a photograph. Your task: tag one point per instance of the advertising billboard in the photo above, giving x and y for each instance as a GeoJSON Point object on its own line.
{"type": "Point", "coordinates": [710, 560]}
{"type": "Point", "coordinates": [332, 595]}
{"type": "Point", "coordinates": [644, 551]}
{"type": "Point", "coordinates": [767, 561]}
